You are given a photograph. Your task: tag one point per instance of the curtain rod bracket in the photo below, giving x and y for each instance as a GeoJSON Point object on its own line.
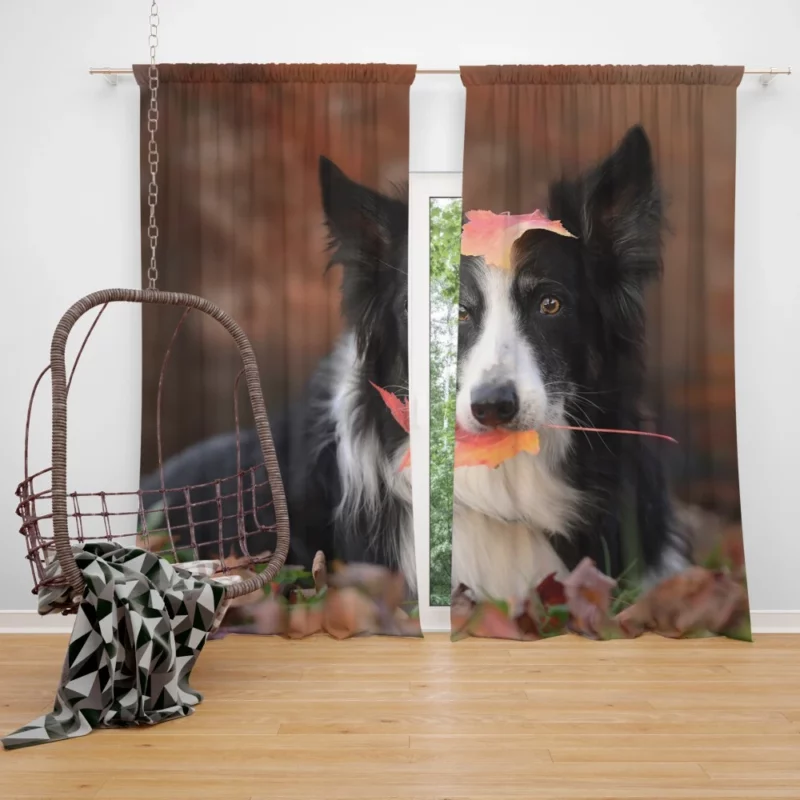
{"type": "Point", "coordinates": [767, 77]}
{"type": "Point", "coordinates": [110, 74]}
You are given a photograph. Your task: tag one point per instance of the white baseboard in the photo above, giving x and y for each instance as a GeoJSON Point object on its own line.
{"type": "Point", "coordinates": [31, 622]}
{"type": "Point", "coordinates": [775, 621]}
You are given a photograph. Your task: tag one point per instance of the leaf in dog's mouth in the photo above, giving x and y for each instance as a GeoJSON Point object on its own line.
{"type": "Point", "coordinates": [487, 449]}
{"type": "Point", "coordinates": [492, 448]}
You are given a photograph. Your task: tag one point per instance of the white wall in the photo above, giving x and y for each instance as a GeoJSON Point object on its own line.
{"type": "Point", "coordinates": [69, 215]}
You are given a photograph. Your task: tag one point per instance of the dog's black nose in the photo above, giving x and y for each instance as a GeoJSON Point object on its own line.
{"type": "Point", "coordinates": [494, 404]}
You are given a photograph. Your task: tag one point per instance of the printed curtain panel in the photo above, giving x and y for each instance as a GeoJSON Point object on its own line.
{"type": "Point", "coordinates": [595, 478]}
{"type": "Point", "coordinates": [281, 199]}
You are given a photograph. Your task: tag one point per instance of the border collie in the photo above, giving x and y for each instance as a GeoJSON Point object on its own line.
{"type": "Point", "coordinates": [339, 447]}
{"type": "Point", "coordinates": [560, 340]}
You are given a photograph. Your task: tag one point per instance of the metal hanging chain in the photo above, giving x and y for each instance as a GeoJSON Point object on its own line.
{"type": "Point", "coordinates": [152, 146]}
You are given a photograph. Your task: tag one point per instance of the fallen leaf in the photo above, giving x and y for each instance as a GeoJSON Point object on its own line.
{"type": "Point", "coordinates": [319, 571]}
{"type": "Point", "coordinates": [385, 589]}
{"type": "Point", "coordinates": [695, 601]}
{"type": "Point", "coordinates": [461, 607]}
{"type": "Point", "coordinates": [545, 610]}
{"type": "Point", "coordinates": [491, 621]}
{"type": "Point", "coordinates": [493, 235]}
{"type": "Point", "coordinates": [551, 591]}
{"type": "Point", "coordinates": [588, 595]}
{"type": "Point", "coordinates": [303, 620]}
{"type": "Point", "coordinates": [348, 612]}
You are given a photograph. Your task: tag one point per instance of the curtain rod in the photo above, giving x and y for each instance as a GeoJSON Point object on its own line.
{"type": "Point", "coordinates": [767, 74]}
{"type": "Point", "coordinates": [760, 71]}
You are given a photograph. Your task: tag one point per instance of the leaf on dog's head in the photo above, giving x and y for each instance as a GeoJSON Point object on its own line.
{"type": "Point", "coordinates": [492, 448]}
{"type": "Point", "coordinates": [493, 235]}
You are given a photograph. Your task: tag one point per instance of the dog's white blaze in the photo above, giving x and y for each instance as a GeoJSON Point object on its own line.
{"type": "Point", "coordinates": [501, 354]}
{"type": "Point", "coordinates": [504, 517]}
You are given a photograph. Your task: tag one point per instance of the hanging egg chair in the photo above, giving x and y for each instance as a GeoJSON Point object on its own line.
{"type": "Point", "coordinates": [54, 520]}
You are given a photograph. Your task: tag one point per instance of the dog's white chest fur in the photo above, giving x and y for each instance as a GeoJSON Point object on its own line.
{"type": "Point", "coordinates": [502, 522]}
{"type": "Point", "coordinates": [500, 559]}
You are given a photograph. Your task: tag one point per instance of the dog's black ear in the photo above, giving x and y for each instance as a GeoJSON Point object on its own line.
{"type": "Point", "coordinates": [369, 238]}
{"type": "Point", "coordinates": [364, 225]}
{"type": "Point", "coordinates": [622, 210]}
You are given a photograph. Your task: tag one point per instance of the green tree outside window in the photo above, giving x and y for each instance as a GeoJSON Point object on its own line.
{"type": "Point", "coordinates": [445, 250]}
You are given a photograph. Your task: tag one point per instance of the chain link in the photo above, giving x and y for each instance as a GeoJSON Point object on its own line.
{"type": "Point", "coordinates": [152, 146]}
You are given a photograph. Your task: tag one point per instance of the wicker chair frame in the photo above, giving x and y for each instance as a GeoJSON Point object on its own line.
{"type": "Point", "coordinates": [58, 497]}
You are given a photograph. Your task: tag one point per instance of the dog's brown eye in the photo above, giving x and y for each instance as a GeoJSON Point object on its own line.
{"type": "Point", "coordinates": [550, 305]}
{"type": "Point", "coordinates": [463, 314]}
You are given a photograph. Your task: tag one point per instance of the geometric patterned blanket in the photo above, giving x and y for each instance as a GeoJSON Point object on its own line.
{"type": "Point", "coordinates": [137, 635]}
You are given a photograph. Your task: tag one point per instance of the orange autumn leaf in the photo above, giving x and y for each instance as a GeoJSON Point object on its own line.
{"type": "Point", "coordinates": [492, 448]}
{"type": "Point", "coordinates": [399, 408]}
{"type": "Point", "coordinates": [493, 235]}
{"type": "Point", "coordinates": [488, 449]}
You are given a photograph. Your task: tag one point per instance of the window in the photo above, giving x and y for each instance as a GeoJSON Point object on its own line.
{"type": "Point", "coordinates": [434, 248]}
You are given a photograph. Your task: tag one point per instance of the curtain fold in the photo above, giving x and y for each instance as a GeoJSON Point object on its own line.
{"type": "Point", "coordinates": [544, 138]}
{"type": "Point", "coordinates": [278, 201]}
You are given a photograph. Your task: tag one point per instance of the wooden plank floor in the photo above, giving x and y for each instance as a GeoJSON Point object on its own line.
{"type": "Point", "coordinates": [381, 719]}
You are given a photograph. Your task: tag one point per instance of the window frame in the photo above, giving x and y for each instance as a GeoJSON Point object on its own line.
{"type": "Point", "coordinates": [423, 187]}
